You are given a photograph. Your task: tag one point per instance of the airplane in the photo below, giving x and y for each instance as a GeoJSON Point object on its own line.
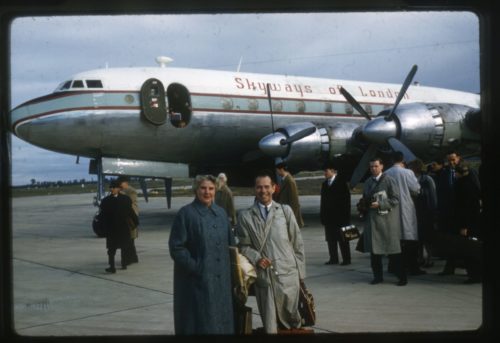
{"type": "Point", "coordinates": [167, 122]}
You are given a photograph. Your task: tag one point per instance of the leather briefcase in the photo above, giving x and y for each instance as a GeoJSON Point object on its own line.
{"type": "Point", "coordinates": [349, 232]}
{"type": "Point", "coordinates": [307, 308]}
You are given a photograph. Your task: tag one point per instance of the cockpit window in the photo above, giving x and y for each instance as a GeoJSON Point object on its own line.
{"type": "Point", "coordinates": [65, 85]}
{"type": "Point", "coordinates": [94, 83]}
{"type": "Point", "coordinates": [77, 84]}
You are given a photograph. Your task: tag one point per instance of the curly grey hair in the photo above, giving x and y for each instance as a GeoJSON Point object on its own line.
{"type": "Point", "coordinates": [199, 179]}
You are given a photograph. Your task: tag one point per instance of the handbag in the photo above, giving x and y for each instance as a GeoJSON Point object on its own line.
{"type": "Point", "coordinates": [243, 273]}
{"type": "Point", "coordinates": [360, 246]}
{"type": "Point", "coordinates": [98, 225]}
{"type": "Point", "coordinates": [349, 232]}
{"type": "Point", "coordinates": [307, 309]}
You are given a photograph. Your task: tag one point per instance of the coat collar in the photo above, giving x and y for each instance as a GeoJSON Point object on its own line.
{"type": "Point", "coordinates": [202, 209]}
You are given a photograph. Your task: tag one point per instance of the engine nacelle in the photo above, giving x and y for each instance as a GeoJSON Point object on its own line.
{"type": "Point", "coordinates": [312, 151]}
{"type": "Point", "coordinates": [431, 129]}
{"type": "Point", "coordinates": [428, 130]}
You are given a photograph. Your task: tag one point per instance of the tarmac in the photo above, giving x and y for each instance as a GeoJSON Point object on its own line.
{"type": "Point", "coordinates": [60, 287]}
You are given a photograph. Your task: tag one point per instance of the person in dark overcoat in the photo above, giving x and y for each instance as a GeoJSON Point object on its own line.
{"type": "Point", "coordinates": [335, 212]}
{"type": "Point", "coordinates": [119, 218]}
{"type": "Point", "coordinates": [199, 245]}
{"type": "Point", "coordinates": [467, 223]}
{"type": "Point", "coordinates": [126, 189]}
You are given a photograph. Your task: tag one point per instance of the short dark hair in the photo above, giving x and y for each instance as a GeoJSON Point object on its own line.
{"type": "Point", "coordinates": [265, 173]}
{"type": "Point", "coordinates": [375, 159]}
{"type": "Point", "coordinates": [331, 165]}
{"type": "Point", "coordinates": [398, 157]}
{"type": "Point", "coordinates": [122, 178]}
{"type": "Point", "coordinates": [114, 184]}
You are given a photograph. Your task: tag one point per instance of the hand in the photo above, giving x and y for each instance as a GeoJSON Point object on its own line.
{"type": "Point", "coordinates": [374, 205]}
{"type": "Point", "coordinates": [463, 231]}
{"type": "Point", "coordinates": [264, 263]}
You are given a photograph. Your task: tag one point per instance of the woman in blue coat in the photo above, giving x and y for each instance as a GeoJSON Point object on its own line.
{"type": "Point", "coordinates": [199, 245]}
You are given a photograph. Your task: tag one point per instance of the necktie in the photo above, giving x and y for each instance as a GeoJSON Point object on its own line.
{"type": "Point", "coordinates": [264, 213]}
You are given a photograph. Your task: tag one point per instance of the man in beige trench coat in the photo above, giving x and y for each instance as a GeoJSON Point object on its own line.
{"type": "Point", "coordinates": [271, 240]}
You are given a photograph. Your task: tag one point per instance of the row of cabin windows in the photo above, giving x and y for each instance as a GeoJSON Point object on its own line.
{"type": "Point", "coordinates": [80, 84]}
{"type": "Point", "coordinates": [300, 106]}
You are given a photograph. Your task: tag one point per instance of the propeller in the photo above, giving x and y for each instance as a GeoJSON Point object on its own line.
{"type": "Point", "coordinates": [380, 130]}
{"type": "Point", "coordinates": [402, 91]}
{"type": "Point", "coordinates": [360, 170]}
{"type": "Point", "coordinates": [397, 145]}
{"type": "Point", "coordinates": [298, 136]}
{"type": "Point", "coordinates": [279, 139]}
{"type": "Point", "coordinates": [350, 99]}
{"type": "Point", "coordinates": [268, 86]}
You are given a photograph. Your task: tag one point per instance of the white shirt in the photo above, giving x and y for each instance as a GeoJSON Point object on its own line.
{"type": "Point", "coordinates": [264, 210]}
{"type": "Point", "coordinates": [330, 180]}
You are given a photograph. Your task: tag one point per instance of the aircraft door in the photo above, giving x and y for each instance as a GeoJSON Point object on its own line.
{"type": "Point", "coordinates": [179, 105]}
{"type": "Point", "coordinates": [153, 105]}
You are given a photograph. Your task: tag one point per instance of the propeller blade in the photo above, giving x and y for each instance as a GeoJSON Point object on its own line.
{"type": "Point", "coordinates": [168, 191]}
{"type": "Point", "coordinates": [354, 103]}
{"type": "Point", "coordinates": [144, 187]}
{"type": "Point", "coordinates": [299, 135]}
{"type": "Point", "coordinates": [362, 166]}
{"type": "Point", "coordinates": [402, 91]}
{"type": "Point", "coordinates": [397, 145]}
{"type": "Point", "coordinates": [270, 104]}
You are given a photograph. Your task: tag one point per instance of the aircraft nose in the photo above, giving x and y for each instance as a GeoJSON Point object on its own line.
{"type": "Point", "coordinates": [379, 129]}
{"type": "Point", "coordinates": [271, 146]}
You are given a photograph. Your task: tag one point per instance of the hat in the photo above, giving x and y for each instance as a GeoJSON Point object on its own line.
{"type": "Point", "coordinates": [122, 178]}
{"type": "Point", "coordinates": [114, 184]}
{"type": "Point", "coordinates": [279, 163]}
{"type": "Point", "coordinates": [331, 165]}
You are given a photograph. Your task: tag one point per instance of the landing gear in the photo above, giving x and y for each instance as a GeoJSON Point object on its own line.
{"type": "Point", "coordinates": [96, 168]}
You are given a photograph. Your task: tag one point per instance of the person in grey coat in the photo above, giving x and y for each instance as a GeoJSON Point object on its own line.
{"type": "Point", "coordinates": [270, 238]}
{"type": "Point", "coordinates": [382, 233]}
{"type": "Point", "coordinates": [408, 187]}
{"type": "Point", "coordinates": [199, 245]}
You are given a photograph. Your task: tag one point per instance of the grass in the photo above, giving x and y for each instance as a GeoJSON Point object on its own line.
{"type": "Point", "coordinates": [156, 188]}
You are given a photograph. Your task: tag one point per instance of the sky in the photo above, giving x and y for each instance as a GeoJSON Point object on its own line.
{"type": "Point", "coordinates": [378, 47]}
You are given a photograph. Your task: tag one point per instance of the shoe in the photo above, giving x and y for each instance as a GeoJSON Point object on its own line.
{"type": "Point", "coordinates": [445, 272]}
{"type": "Point", "coordinates": [428, 264]}
{"type": "Point", "coordinates": [344, 263]}
{"type": "Point", "coordinates": [470, 281]}
{"type": "Point", "coordinates": [331, 262]}
{"type": "Point", "coordinates": [418, 272]}
{"type": "Point", "coordinates": [111, 270]}
{"type": "Point", "coordinates": [124, 267]}
{"type": "Point", "coordinates": [402, 283]}
{"type": "Point", "coordinates": [376, 281]}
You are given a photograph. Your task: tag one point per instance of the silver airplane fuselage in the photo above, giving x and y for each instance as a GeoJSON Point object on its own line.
{"type": "Point", "coordinates": [103, 113]}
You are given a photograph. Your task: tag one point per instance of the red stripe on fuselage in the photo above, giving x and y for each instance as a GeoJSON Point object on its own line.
{"type": "Point", "coordinates": [237, 111]}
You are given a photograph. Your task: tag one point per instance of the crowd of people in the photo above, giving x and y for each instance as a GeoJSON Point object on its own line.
{"type": "Point", "coordinates": [433, 212]}
{"type": "Point", "coordinates": [411, 214]}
